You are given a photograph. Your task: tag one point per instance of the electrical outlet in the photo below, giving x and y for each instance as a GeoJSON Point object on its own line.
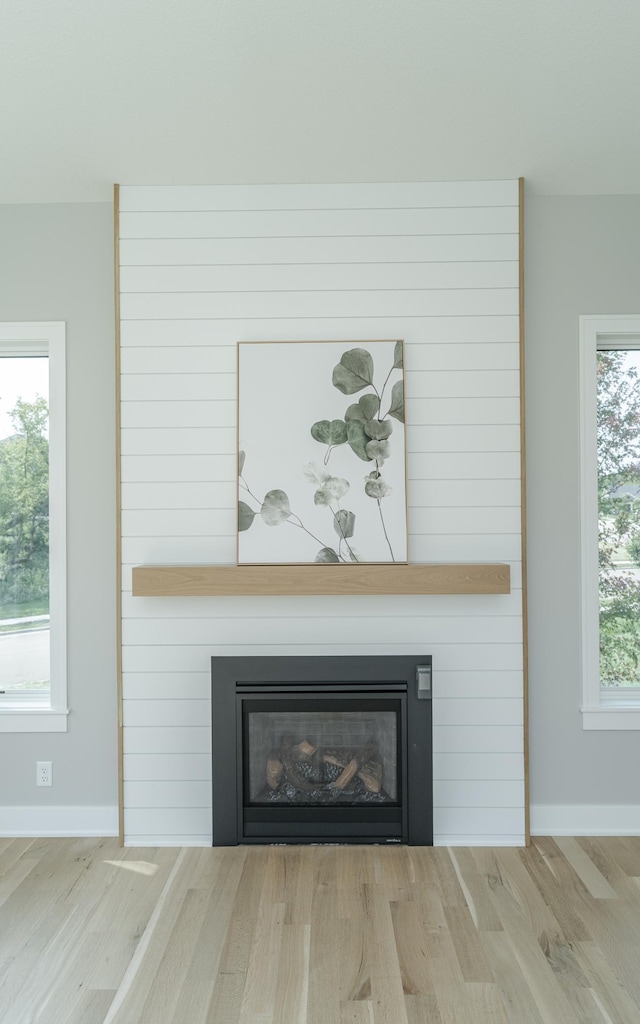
{"type": "Point", "coordinates": [44, 773]}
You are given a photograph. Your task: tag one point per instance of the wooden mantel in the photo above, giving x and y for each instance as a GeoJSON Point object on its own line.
{"type": "Point", "coordinates": [265, 580]}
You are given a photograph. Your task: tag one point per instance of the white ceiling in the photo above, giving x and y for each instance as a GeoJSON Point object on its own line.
{"type": "Point", "coordinates": [206, 91]}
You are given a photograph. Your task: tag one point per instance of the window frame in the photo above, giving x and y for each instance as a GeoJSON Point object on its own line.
{"type": "Point", "coordinates": [601, 707]}
{"type": "Point", "coordinates": [26, 713]}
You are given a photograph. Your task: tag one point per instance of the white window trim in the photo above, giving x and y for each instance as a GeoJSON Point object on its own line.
{"type": "Point", "coordinates": [47, 338]}
{"type": "Point", "coordinates": [600, 710]}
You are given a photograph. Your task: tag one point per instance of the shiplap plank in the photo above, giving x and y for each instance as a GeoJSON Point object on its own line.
{"type": "Point", "coordinates": [416, 331]}
{"type": "Point", "coordinates": [167, 740]}
{"type": "Point", "coordinates": [174, 468]}
{"type": "Point", "coordinates": [165, 685]}
{"type": "Point", "coordinates": [478, 821]}
{"type": "Point", "coordinates": [277, 630]}
{"type": "Point", "coordinates": [176, 413]}
{"type": "Point", "coordinates": [222, 440]}
{"type": "Point", "coordinates": [164, 793]}
{"type": "Point", "coordinates": [317, 197]}
{"type": "Point", "coordinates": [221, 522]}
{"type": "Point", "coordinates": [174, 821]}
{"type": "Point", "coordinates": [180, 441]}
{"type": "Point", "coordinates": [152, 376]}
{"type": "Point", "coordinates": [166, 712]}
{"type": "Point", "coordinates": [488, 356]}
{"type": "Point", "coordinates": [462, 384]}
{"type": "Point", "coordinates": [450, 220]}
{"type": "Point", "coordinates": [180, 495]}
{"type": "Point", "coordinates": [478, 739]}
{"type": "Point", "coordinates": [192, 252]}
{"type": "Point", "coordinates": [178, 522]}
{"type": "Point", "coordinates": [140, 386]}
{"type": "Point", "coordinates": [447, 657]}
{"type": "Point", "coordinates": [421, 494]}
{"type": "Point", "coordinates": [455, 438]}
{"type": "Point", "coordinates": [319, 277]}
{"type": "Point", "coordinates": [172, 687]}
{"type": "Point", "coordinates": [167, 767]}
{"type": "Point", "coordinates": [463, 466]}
{"type": "Point", "coordinates": [420, 466]}
{"type": "Point", "coordinates": [463, 766]}
{"type": "Point", "coordinates": [179, 550]}
{"type": "Point", "coordinates": [499, 519]}
{"type": "Point", "coordinates": [434, 357]}
{"type": "Point", "coordinates": [477, 711]}
{"type": "Point", "coordinates": [287, 606]}
{"type": "Point", "coordinates": [222, 549]}
{"type": "Point", "coordinates": [465, 547]}
{"type": "Point", "coordinates": [478, 685]}
{"type": "Point", "coordinates": [442, 411]}
{"type": "Point", "coordinates": [464, 494]}
{"type": "Point", "coordinates": [181, 359]}
{"type": "Point", "coordinates": [206, 305]}
{"type": "Point", "coordinates": [478, 793]}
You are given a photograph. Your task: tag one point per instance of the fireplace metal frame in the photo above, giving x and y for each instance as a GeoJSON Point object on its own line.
{"type": "Point", "coordinates": [402, 678]}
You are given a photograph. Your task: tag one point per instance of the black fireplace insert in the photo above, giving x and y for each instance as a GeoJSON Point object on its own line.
{"type": "Point", "coordinates": [322, 750]}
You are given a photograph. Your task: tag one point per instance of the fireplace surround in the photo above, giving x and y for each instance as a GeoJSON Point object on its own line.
{"type": "Point", "coordinates": [322, 749]}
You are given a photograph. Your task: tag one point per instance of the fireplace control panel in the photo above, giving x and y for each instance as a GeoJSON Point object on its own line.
{"type": "Point", "coordinates": [423, 681]}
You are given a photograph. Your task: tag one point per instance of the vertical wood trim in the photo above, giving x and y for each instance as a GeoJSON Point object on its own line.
{"type": "Point", "coordinates": [116, 252]}
{"type": "Point", "coordinates": [523, 486]}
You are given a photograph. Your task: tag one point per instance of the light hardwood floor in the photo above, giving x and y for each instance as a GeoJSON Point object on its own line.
{"type": "Point", "coordinates": [94, 934]}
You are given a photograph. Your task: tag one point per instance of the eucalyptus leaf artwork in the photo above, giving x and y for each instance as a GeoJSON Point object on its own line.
{"type": "Point", "coordinates": [321, 453]}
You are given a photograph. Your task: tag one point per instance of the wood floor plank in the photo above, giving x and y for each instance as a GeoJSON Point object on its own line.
{"type": "Point", "coordinates": [585, 867]}
{"type": "Point", "coordinates": [91, 933]}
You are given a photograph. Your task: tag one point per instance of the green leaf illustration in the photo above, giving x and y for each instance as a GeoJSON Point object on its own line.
{"type": "Point", "coordinates": [316, 473]}
{"type": "Point", "coordinates": [378, 450]}
{"type": "Point", "coordinates": [354, 371]}
{"type": "Point", "coordinates": [275, 508]}
{"type": "Point", "coordinates": [344, 523]}
{"type": "Point", "coordinates": [398, 356]}
{"type": "Point", "coordinates": [364, 409]}
{"type": "Point", "coordinates": [240, 462]}
{"type": "Point", "coordinates": [376, 487]}
{"type": "Point", "coordinates": [332, 490]}
{"type": "Point", "coordinates": [397, 401]}
{"type": "Point", "coordinates": [326, 555]}
{"type": "Point", "coordinates": [378, 430]}
{"type": "Point", "coordinates": [331, 433]}
{"type": "Point", "coordinates": [246, 516]}
{"type": "Point", "coordinates": [358, 439]}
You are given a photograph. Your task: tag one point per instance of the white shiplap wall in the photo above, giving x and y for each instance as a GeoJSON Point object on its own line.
{"type": "Point", "coordinates": [202, 268]}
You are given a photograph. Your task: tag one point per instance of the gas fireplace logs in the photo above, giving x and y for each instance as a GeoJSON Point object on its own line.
{"type": "Point", "coordinates": [326, 773]}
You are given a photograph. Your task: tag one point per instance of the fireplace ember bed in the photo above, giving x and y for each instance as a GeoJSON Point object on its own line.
{"type": "Point", "coordinates": [315, 749]}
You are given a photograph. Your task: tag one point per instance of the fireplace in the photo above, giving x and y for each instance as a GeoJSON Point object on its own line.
{"type": "Point", "coordinates": [322, 749]}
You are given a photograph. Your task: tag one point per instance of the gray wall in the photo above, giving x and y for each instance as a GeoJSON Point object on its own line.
{"type": "Point", "coordinates": [582, 255]}
{"type": "Point", "coordinates": [56, 263]}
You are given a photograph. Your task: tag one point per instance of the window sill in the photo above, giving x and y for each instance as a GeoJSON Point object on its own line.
{"type": "Point", "coordinates": [33, 719]}
{"type": "Point", "coordinates": [612, 716]}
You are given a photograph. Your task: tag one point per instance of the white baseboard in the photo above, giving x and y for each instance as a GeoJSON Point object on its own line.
{"type": "Point", "coordinates": [58, 821]}
{"type": "Point", "coordinates": [585, 819]}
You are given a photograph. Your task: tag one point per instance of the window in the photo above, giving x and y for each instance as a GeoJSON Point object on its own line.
{"type": "Point", "coordinates": [33, 645]}
{"type": "Point", "coordinates": [610, 528]}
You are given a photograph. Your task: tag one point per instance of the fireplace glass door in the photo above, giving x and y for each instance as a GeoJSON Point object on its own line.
{"type": "Point", "coordinates": [321, 756]}
{"type": "Point", "coordinates": [322, 767]}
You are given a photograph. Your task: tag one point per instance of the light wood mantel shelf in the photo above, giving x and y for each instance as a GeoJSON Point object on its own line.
{"type": "Point", "coordinates": [257, 580]}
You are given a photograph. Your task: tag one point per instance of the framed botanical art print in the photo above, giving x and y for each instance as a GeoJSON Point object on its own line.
{"type": "Point", "coordinates": [321, 452]}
